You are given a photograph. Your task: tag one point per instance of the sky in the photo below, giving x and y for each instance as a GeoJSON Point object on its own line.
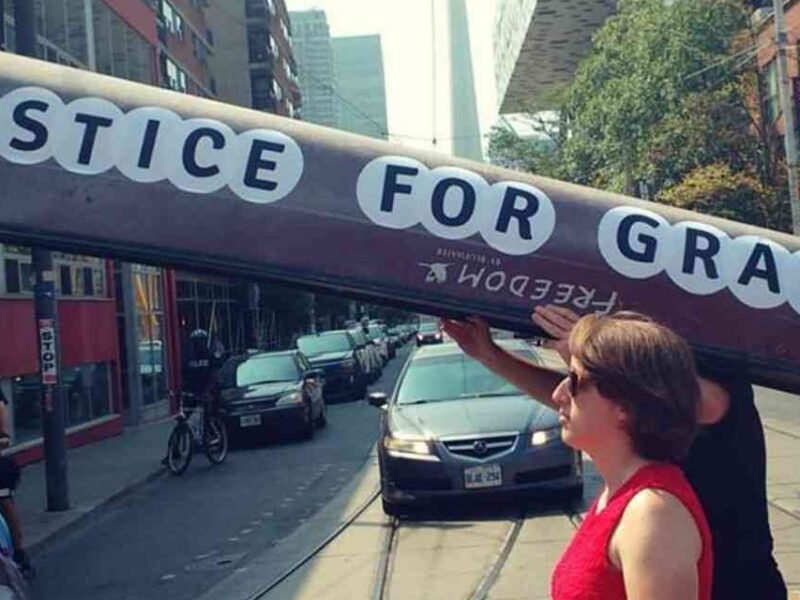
{"type": "Point", "coordinates": [408, 43]}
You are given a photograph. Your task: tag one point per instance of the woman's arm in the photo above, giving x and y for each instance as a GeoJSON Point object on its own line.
{"type": "Point", "coordinates": [657, 546]}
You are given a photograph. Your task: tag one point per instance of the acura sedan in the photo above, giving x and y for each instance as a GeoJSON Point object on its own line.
{"type": "Point", "coordinates": [272, 392]}
{"type": "Point", "coordinates": [453, 430]}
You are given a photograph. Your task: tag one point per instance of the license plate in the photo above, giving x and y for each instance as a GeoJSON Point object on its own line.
{"type": "Point", "coordinates": [250, 420]}
{"type": "Point", "coordinates": [483, 476]}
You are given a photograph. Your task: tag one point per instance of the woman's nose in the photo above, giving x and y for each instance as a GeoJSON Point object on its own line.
{"type": "Point", "coordinates": [560, 394]}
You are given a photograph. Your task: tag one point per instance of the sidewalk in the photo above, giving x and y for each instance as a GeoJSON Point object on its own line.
{"type": "Point", "coordinates": [97, 473]}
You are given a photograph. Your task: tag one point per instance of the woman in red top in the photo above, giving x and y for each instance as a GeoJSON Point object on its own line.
{"type": "Point", "coordinates": [630, 402]}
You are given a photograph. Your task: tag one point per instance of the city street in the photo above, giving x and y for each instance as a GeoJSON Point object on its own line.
{"type": "Point", "coordinates": [230, 532]}
{"type": "Point", "coordinates": [177, 536]}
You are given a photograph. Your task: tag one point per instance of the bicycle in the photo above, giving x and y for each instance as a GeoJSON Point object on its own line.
{"type": "Point", "coordinates": [209, 435]}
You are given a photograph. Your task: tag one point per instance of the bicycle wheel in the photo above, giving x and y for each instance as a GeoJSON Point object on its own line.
{"type": "Point", "coordinates": [180, 449]}
{"type": "Point", "coordinates": [216, 442]}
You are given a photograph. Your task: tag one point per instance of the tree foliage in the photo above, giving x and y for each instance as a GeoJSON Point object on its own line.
{"type": "Point", "coordinates": [670, 94]}
{"type": "Point", "coordinates": [718, 190]}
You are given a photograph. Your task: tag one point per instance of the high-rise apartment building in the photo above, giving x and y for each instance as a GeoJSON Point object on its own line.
{"type": "Point", "coordinates": [314, 55]}
{"type": "Point", "coordinates": [360, 84]}
{"type": "Point", "coordinates": [253, 59]}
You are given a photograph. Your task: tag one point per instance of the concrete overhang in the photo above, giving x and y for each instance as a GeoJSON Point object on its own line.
{"type": "Point", "coordinates": [559, 35]}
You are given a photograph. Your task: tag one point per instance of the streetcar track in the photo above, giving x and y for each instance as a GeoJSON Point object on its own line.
{"type": "Point", "coordinates": [389, 546]}
{"type": "Point", "coordinates": [260, 594]}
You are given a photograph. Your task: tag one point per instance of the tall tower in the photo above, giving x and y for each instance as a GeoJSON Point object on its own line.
{"type": "Point", "coordinates": [466, 127]}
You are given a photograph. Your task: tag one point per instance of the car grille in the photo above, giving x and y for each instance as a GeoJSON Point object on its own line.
{"type": "Point", "coordinates": [481, 447]}
{"type": "Point", "coordinates": [538, 475]}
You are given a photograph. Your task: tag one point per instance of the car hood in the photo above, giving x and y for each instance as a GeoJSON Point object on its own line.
{"type": "Point", "coordinates": [471, 416]}
{"type": "Point", "coordinates": [260, 391]}
{"type": "Point", "coordinates": [329, 357]}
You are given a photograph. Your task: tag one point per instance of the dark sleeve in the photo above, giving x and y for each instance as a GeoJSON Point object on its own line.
{"type": "Point", "coordinates": [3, 398]}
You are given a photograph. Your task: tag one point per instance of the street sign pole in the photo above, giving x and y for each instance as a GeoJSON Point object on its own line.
{"type": "Point", "coordinates": [53, 429]}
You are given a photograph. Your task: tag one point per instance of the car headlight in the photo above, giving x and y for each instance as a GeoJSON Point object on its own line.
{"type": "Point", "coordinates": [540, 438]}
{"type": "Point", "coordinates": [438, 336]}
{"type": "Point", "coordinates": [292, 399]}
{"type": "Point", "coordinates": [415, 449]}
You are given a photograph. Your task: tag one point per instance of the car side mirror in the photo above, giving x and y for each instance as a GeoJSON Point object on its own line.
{"type": "Point", "coordinates": [377, 399]}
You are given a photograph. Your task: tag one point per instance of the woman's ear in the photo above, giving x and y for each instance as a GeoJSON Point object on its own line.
{"type": "Point", "coordinates": [623, 418]}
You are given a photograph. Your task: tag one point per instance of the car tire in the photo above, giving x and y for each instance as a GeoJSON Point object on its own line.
{"type": "Point", "coordinates": [308, 425]}
{"type": "Point", "coordinates": [361, 390]}
{"type": "Point", "coordinates": [572, 494]}
{"type": "Point", "coordinates": [391, 509]}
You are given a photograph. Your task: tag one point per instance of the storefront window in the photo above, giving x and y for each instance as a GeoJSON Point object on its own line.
{"type": "Point", "coordinates": [148, 290]}
{"type": "Point", "coordinates": [26, 400]}
{"type": "Point", "coordinates": [87, 393]}
{"type": "Point", "coordinates": [87, 396]}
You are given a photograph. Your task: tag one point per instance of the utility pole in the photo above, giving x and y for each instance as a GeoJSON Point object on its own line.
{"type": "Point", "coordinates": [787, 108]}
{"type": "Point", "coordinates": [53, 430]}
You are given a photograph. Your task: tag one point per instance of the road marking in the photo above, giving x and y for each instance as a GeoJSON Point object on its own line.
{"type": "Point", "coordinates": [233, 539]}
{"type": "Point", "coordinates": [168, 577]}
{"type": "Point", "coordinates": [245, 532]}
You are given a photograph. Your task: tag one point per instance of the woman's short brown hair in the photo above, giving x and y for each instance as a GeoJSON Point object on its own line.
{"type": "Point", "coordinates": [650, 372]}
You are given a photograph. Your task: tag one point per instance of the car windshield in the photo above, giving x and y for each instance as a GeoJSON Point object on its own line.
{"type": "Point", "coordinates": [452, 377]}
{"type": "Point", "coordinates": [430, 327]}
{"type": "Point", "coordinates": [311, 345]}
{"type": "Point", "coordinates": [266, 369]}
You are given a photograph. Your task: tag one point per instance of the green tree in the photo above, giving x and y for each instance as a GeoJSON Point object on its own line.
{"type": "Point", "coordinates": [649, 63]}
{"type": "Point", "coordinates": [718, 190]}
{"type": "Point", "coordinates": [670, 93]}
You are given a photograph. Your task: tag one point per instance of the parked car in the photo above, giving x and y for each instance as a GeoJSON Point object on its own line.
{"type": "Point", "coordinates": [369, 353]}
{"type": "Point", "coordinates": [429, 332]}
{"type": "Point", "coordinates": [454, 430]}
{"type": "Point", "coordinates": [377, 334]}
{"type": "Point", "coordinates": [272, 392]}
{"type": "Point", "coordinates": [336, 353]}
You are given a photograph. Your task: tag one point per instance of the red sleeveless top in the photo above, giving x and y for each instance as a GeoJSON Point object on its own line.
{"type": "Point", "coordinates": [586, 573]}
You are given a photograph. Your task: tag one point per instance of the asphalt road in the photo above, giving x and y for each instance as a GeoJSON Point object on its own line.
{"type": "Point", "coordinates": [177, 536]}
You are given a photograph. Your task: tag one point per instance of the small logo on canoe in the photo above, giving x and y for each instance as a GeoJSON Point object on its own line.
{"type": "Point", "coordinates": [437, 272]}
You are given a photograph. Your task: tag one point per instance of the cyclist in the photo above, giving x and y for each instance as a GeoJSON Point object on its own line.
{"type": "Point", "coordinates": [198, 374]}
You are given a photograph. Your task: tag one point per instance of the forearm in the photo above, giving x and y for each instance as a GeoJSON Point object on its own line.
{"type": "Point", "coordinates": [536, 381]}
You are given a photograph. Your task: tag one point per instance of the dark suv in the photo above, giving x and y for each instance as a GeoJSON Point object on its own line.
{"type": "Point", "coordinates": [335, 352]}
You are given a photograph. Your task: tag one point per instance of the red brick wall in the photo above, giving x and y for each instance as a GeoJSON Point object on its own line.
{"type": "Point", "coordinates": [138, 15]}
{"type": "Point", "coordinates": [768, 48]}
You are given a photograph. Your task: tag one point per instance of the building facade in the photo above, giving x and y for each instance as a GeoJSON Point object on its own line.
{"type": "Point", "coordinates": [124, 327]}
{"type": "Point", "coordinates": [766, 59]}
{"type": "Point", "coordinates": [108, 313]}
{"type": "Point", "coordinates": [253, 58]}
{"type": "Point", "coordinates": [538, 45]}
{"type": "Point", "coordinates": [360, 85]}
{"type": "Point", "coordinates": [314, 55]}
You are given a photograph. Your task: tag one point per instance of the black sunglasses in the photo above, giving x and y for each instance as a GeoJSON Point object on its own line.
{"type": "Point", "coordinates": [575, 382]}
